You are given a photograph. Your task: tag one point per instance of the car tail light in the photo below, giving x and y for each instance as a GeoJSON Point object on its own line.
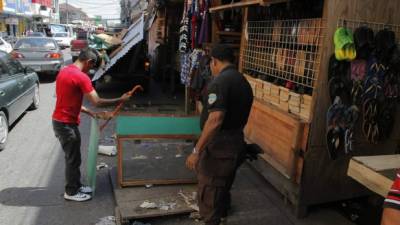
{"type": "Point", "coordinates": [17, 55]}
{"type": "Point", "coordinates": [53, 56]}
{"type": "Point", "coordinates": [146, 66]}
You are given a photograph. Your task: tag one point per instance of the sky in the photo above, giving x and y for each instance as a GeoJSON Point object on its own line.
{"type": "Point", "coordinates": [104, 8]}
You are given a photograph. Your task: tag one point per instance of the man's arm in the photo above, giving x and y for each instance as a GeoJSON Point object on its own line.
{"type": "Point", "coordinates": [210, 129]}
{"type": "Point", "coordinates": [87, 111]}
{"type": "Point", "coordinates": [94, 98]}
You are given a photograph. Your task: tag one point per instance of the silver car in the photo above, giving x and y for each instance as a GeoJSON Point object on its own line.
{"type": "Point", "coordinates": [40, 54]}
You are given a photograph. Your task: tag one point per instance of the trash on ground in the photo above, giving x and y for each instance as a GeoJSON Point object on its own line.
{"type": "Point", "coordinates": [101, 166]}
{"type": "Point", "coordinates": [159, 157]}
{"type": "Point", "coordinates": [108, 220]}
{"type": "Point", "coordinates": [167, 205]}
{"type": "Point", "coordinates": [195, 216]}
{"type": "Point", "coordinates": [148, 185]}
{"type": "Point", "coordinates": [148, 205]}
{"type": "Point", "coordinates": [107, 150]}
{"type": "Point", "coordinates": [190, 200]}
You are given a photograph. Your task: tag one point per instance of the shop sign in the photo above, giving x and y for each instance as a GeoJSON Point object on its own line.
{"type": "Point", "coordinates": [10, 6]}
{"type": "Point", "coordinates": [24, 7]}
{"type": "Point", "coordinates": [47, 3]}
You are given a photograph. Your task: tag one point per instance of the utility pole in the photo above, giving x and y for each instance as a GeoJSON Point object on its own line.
{"type": "Point", "coordinates": [66, 2]}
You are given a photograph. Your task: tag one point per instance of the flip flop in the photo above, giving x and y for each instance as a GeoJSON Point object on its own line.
{"type": "Point", "coordinates": [364, 41]}
{"type": "Point", "coordinates": [348, 141]}
{"type": "Point", "coordinates": [357, 92]}
{"type": "Point", "coordinates": [344, 44]}
{"type": "Point", "coordinates": [385, 42]}
{"type": "Point", "coordinates": [337, 87]}
{"type": "Point", "coordinates": [335, 128]}
{"type": "Point", "coordinates": [358, 69]}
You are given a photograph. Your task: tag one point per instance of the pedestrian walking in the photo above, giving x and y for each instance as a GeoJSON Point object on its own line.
{"type": "Point", "coordinates": [221, 145]}
{"type": "Point", "coordinates": [72, 85]}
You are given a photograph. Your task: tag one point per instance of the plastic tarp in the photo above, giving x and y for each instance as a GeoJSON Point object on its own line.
{"type": "Point", "coordinates": [92, 154]}
{"type": "Point", "coordinates": [135, 35]}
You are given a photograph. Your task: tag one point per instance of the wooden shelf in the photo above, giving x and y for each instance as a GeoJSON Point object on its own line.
{"type": "Point", "coordinates": [245, 4]}
{"type": "Point", "coordinates": [229, 33]}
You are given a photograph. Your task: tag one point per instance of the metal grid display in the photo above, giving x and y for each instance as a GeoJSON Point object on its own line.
{"type": "Point", "coordinates": [354, 24]}
{"type": "Point", "coordinates": [287, 50]}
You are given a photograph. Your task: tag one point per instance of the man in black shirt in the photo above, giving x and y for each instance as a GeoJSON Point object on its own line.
{"type": "Point", "coordinates": [221, 145]}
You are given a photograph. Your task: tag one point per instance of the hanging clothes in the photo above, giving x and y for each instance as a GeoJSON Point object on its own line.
{"type": "Point", "coordinates": [204, 36]}
{"type": "Point", "coordinates": [184, 34]}
{"type": "Point", "coordinates": [185, 68]}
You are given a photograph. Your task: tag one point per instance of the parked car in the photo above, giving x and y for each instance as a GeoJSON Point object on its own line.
{"type": "Point", "coordinates": [80, 43]}
{"type": "Point", "coordinates": [63, 39]}
{"type": "Point", "coordinates": [19, 90]}
{"type": "Point", "coordinates": [5, 46]}
{"type": "Point", "coordinates": [40, 54]}
{"type": "Point", "coordinates": [35, 34]}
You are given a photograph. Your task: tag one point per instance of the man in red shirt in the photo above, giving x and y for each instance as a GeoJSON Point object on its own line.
{"type": "Point", "coordinates": [72, 85]}
{"type": "Point", "coordinates": [391, 212]}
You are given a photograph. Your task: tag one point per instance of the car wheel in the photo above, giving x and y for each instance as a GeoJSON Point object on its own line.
{"type": "Point", "coordinates": [3, 130]}
{"type": "Point", "coordinates": [36, 98]}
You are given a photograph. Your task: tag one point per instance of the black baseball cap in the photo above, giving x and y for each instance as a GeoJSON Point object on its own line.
{"type": "Point", "coordinates": [223, 53]}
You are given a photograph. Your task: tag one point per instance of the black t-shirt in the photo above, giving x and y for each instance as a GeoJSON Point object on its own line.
{"type": "Point", "coordinates": [229, 92]}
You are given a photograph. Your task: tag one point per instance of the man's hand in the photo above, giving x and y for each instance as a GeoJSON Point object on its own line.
{"type": "Point", "coordinates": [103, 115]}
{"type": "Point", "coordinates": [125, 97]}
{"type": "Point", "coordinates": [192, 160]}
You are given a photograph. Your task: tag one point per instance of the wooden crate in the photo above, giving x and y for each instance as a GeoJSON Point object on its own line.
{"type": "Point", "coordinates": [275, 90]}
{"type": "Point", "coordinates": [283, 94]}
{"type": "Point", "coordinates": [284, 106]}
{"type": "Point", "coordinates": [267, 88]}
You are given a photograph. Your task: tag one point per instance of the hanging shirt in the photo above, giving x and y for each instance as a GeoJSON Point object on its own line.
{"type": "Point", "coordinates": [185, 68]}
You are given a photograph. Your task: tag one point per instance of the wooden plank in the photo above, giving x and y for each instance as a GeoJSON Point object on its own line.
{"type": "Point", "coordinates": [370, 178]}
{"type": "Point", "coordinates": [380, 162]}
{"type": "Point", "coordinates": [128, 200]}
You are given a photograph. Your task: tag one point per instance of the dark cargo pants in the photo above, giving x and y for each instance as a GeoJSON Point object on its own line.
{"type": "Point", "coordinates": [70, 140]}
{"type": "Point", "coordinates": [216, 173]}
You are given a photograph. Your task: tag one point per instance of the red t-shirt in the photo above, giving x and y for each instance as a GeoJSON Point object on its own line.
{"type": "Point", "coordinates": [71, 85]}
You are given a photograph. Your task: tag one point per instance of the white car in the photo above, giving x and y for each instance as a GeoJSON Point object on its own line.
{"type": "Point", "coordinates": [63, 39]}
{"type": "Point", "coordinates": [5, 46]}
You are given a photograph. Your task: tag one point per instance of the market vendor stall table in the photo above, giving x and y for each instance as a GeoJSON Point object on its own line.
{"type": "Point", "coordinates": [375, 172]}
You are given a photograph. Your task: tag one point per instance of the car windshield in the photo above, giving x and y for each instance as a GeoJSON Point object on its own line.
{"type": "Point", "coordinates": [61, 35]}
{"type": "Point", "coordinates": [35, 34]}
{"type": "Point", "coordinates": [30, 43]}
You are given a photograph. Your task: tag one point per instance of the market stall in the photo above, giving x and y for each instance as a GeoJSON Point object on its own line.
{"type": "Point", "coordinates": [286, 52]}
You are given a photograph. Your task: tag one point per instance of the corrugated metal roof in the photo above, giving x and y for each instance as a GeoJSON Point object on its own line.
{"type": "Point", "coordinates": [135, 35]}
